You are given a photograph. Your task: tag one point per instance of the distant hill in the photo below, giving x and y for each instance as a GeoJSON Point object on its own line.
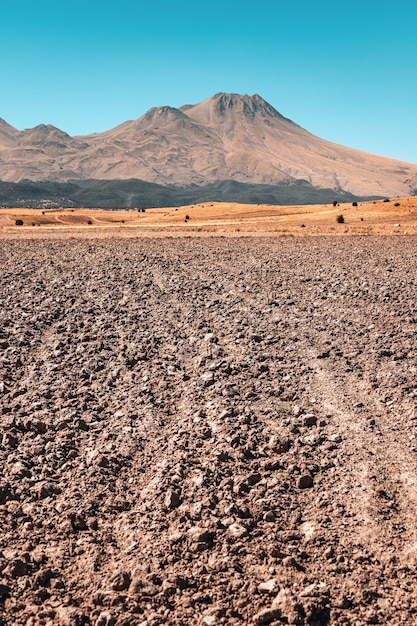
{"type": "Point", "coordinates": [194, 150]}
{"type": "Point", "coordinates": [112, 194]}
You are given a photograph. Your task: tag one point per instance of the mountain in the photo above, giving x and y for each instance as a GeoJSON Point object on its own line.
{"type": "Point", "coordinates": [228, 137]}
{"type": "Point", "coordinates": [8, 135]}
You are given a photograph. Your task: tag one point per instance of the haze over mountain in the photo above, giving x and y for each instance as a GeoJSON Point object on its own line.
{"type": "Point", "coordinates": [228, 137]}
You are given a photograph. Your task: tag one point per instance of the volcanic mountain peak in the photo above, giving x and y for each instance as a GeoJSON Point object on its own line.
{"type": "Point", "coordinates": [45, 129]}
{"type": "Point", "coordinates": [226, 137]}
{"type": "Point", "coordinates": [163, 113]}
{"type": "Point", "coordinates": [165, 121]}
{"type": "Point", "coordinates": [43, 135]}
{"type": "Point", "coordinates": [217, 108]}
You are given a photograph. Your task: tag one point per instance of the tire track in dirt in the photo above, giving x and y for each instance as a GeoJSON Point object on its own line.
{"type": "Point", "coordinates": [379, 466]}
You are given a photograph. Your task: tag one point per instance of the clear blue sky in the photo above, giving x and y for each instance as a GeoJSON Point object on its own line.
{"type": "Point", "coordinates": [345, 71]}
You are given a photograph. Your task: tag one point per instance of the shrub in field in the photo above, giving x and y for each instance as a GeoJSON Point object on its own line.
{"type": "Point", "coordinates": [340, 219]}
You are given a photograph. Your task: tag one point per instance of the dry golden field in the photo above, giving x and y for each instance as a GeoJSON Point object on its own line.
{"type": "Point", "coordinates": [398, 216]}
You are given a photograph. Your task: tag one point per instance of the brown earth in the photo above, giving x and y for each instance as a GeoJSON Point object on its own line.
{"type": "Point", "coordinates": [216, 430]}
{"type": "Point", "coordinates": [398, 216]}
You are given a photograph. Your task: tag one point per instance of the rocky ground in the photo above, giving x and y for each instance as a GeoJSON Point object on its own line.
{"type": "Point", "coordinates": [208, 431]}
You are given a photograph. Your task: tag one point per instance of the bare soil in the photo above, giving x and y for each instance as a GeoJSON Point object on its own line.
{"type": "Point", "coordinates": [208, 431]}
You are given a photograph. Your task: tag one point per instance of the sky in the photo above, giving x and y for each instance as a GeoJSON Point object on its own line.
{"type": "Point", "coordinates": [345, 71]}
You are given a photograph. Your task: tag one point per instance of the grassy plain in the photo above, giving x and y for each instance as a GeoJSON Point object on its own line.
{"type": "Point", "coordinates": [398, 216]}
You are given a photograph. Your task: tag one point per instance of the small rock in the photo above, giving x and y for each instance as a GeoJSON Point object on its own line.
{"type": "Point", "coordinates": [19, 470]}
{"type": "Point", "coordinates": [342, 602]}
{"type": "Point", "coordinates": [254, 478]}
{"type": "Point", "coordinates": [38, 426]}
{"type": "Point", "coordinates": [311, 440]}
{"type": "Point", "coordinates": [5, 494]}
{"type": "Point", "coordinates": [78, 521]}
{"type": "Point", "coordinates": [43, 577]}
{"type": "Point", "coordinates": [271, 465]}
{"type": "Point", "coordinates": [208, 379]}
{"type": "Point", "coordinates": [92, 523]}
{"type": "Point", "coordinates": [269, 516]}
{"type": "Point", "coordinates": [309, 419]}
{"type": "Point", "coordinates": [68, 616]}
{"type": "Point", "coordinates": [277, 553]}
{"type": "Point", "coordinates": [18, 568]}
{"type": "Point", "coordinates": [82, 425]}
{"type": "Point", "coordinates": [315, 590]}
{"type": "Point", "coordinates": [206, 433]}
{"type": "Point", "coordinates": [105, 619]}
{"type": "Point", "coordinates": [168, 587]}
{"type": "Point", "coordinates": [279, 445]}
{"type": "Point", "coordinates": [172, 499]}
{"type": "Point", "coordinates": [289, 561]}
{"type": "Point", "coordinates": [10, 440]}
{"type": "Point", "coordinates": [102, 461]}
{"type": "Point", "coordinates": [238, 530]}
{"type": "Point", "coordinates": [198, 534]}
{"type": "Point", "coordinates": [121, 581]}
{"type": "Point", "coordinates": [56, 583]}
{"type": "Point", "coordinates": [269, 586]}
{"type": "Point", "coordinates": [288, 606]}
{"type": "Point", "coordinates": [221, 455]}
{"type": "Point", "coordinates": [46, 489]}
{"type": "Point", "coordinates": [266, 616]}
{"type": "Point", "coordinates": [329, 553]}
{"type": "Point", "coordinates": [336, 438]}
{"type": "Point", "coordinates": [305, 481]}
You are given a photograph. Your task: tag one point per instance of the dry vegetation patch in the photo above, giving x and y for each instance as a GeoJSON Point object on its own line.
{"type": "Point", "coordinates": [398, 216]}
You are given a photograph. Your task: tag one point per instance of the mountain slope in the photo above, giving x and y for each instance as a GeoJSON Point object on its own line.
{"type": "Point", "coordinates": [226, 137]}
{"type": "Point", "coordinates": [111, 194]}
{"type": "Point", "coordinates": [271, 146]}
{"type": "Point", "coordinates": [8, 135]}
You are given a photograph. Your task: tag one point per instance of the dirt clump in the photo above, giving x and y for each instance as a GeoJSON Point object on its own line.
{"type": "Point", "coordinates": [208, 431]}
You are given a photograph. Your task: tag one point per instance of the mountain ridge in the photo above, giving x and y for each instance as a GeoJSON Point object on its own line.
{"type": "Point", "coordinates": [225, 137]}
